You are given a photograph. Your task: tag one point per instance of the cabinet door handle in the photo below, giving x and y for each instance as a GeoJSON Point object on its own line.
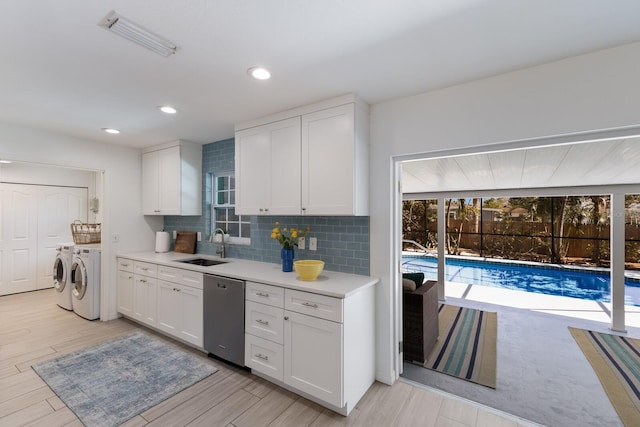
{"type": "Point", "coordinates": [310, 305]}
{"type": "Point", "coordinates": [260, 294]}
{"type": "Point", "coordinates": [176, 289]}
{"type": "Point", "coordinates": [262, 322]}
{"type": "Point", "coordinates": [221, 286]}
{"type": "Point", "coordinates": [262, 356]}
{"type": "Point", "coordinates": [143, 281]}
{"type": "Point", "coordinates": [286, 317]}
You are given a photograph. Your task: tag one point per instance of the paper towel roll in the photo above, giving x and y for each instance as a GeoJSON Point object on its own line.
{"type": "Point", "coordinates": [162, 241]}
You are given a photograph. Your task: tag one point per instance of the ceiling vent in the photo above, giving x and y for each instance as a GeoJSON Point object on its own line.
{"type": "Point", "coordinates": [128, 29]}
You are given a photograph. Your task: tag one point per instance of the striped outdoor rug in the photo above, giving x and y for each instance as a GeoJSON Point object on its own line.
{"type": "Point", "coordinates": [616, 360]}
{"type": "Point", "coordinates": [466, 347]}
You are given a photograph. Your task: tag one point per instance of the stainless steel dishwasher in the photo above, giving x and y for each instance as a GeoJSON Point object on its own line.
{"type": "Point", "coordinates": [224, 318]}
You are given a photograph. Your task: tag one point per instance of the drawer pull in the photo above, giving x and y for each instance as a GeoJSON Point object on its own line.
{"type": "Point", "coordinates": [144, 268]}
{"type": "Point", "coordinates": [124, 265]}
{"type": "Point", "coordinates": [143, 281]}
{"type": "Point", "coordinates": [262, 356]}
{"type": "Point", "coordinates": [260, 294]}
{"type": "Point", "coordinates": [262, 322]}
{"type": "Point", "coordinates": [310, 305]}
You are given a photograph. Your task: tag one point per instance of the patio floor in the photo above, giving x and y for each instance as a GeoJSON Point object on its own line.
{"type": "Point", "coordinates": [542, 375]}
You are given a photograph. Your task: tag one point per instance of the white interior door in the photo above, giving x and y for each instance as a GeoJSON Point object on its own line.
{"type": "Point", "coordinates": [33, 219]}
{"type": "Point", "coordinates": [18, 238]}
{"type": "Point", "coordinates": [58, 207]}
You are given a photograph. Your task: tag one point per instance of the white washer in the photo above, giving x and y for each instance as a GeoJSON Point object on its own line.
{"type": "Point", "coordinates": [62, 275]}
{"type": "Point", "coordinates": [85, 272]}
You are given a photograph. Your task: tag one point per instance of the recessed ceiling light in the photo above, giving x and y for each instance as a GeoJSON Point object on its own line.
{"type": "Point", "coordinates": [259, 73]}
{"type": "Point", "coordinates": [167, 109]}
{"type": "Point", "coordinates": [111, 130]}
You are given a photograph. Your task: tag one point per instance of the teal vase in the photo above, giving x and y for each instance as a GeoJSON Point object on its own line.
{"type": "Point", "coordinates": [287, 259]}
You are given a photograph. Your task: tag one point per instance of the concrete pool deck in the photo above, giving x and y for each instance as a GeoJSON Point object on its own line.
{"type": "Point", "coordinates": [551, 304]}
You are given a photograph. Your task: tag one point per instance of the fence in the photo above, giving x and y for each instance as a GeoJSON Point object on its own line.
{"type": "Point", "coordinates": [532, 240]}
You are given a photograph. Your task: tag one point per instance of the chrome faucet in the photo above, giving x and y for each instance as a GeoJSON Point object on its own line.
{"type": "Point", "coordinates": [220, 251]}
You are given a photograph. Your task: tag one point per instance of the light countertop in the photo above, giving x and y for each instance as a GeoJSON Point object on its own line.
{"type": "Point", "coordinates": [330, 283]}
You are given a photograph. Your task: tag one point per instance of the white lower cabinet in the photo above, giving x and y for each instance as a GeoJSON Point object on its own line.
{"type": "Point", "coordinates": [180, 311]}
{"type": "Point", "coordinates": [313, 356]}
{"type": "Point", "coordinates": [166, 298]}
{"type": "Point", "coordinates": [319, 346]}
{"type": "Point", "coordinates": [144, 299]}
{"type": "Point", "coordinates": [126, 285]}
{"type": "Point", "coordinates": [263, 356]}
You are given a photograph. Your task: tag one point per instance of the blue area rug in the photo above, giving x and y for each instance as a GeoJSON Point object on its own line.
{"type": "Point", "coordinates": [107, 384]}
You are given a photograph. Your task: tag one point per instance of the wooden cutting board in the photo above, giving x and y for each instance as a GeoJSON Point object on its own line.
{"type": "Point", "coordinates": [185, 242]}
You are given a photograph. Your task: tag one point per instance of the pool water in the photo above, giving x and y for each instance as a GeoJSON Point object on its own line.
{"type": "Point", "coordinates": [573, 283]}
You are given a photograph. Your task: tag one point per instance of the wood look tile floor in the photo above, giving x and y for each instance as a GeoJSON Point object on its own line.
{"type": "Point", "coordinates": [33, 328]}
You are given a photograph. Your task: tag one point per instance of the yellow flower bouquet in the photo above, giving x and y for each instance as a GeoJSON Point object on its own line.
{"type": "Point", "coordinates": [288, 238]}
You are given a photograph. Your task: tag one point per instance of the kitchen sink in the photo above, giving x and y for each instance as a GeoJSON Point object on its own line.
{"type": "Point", "coordinates": [202, 261]}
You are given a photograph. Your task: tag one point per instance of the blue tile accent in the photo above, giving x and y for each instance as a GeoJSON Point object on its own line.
{"type": "Point", "coordinates": [343, 242]}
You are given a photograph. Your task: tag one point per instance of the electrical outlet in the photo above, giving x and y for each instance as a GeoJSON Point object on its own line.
{"type": "Point", "coordinates": [199, 234]}
{"type": "Point", "coordinates": [116, 238]}
{"type": "Point", "coordinates": [313, 243]}
{"type": "Point", "coordinates": [301, 242]}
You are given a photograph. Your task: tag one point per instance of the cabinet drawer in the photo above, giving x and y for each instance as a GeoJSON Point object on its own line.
{"type": "Point", "coordinates": [265, 294]}
{"type": "Point", "coordinates": [125, 264]}
{"type": "Point", "coordinates": [145, 268]}
{"type": "Point", "coordinates": [181, 276]}
{"type": "Point", "coordinates": [321, 306]}
{"type": "Point", "coordinates": [263, 356]}
{"type": "Point", "coordinates": [264, 321]}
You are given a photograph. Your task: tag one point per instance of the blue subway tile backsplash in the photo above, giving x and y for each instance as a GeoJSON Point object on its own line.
{"type": "Point", "coordinates": [343, 242]}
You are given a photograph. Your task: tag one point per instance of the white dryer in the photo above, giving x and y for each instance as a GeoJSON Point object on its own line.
{"type": "Point", "coordinates": [62, 275]}
{"type": "Point", "coordinates": [85, 271]}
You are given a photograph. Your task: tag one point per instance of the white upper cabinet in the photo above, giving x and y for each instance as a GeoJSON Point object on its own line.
{"type": "Point", "coordinates": [268, 169]}
{"type": "Point", "coordinates": [172, 179]}
{"type": "Point", "coordinates": [312, 160]}
{"type": "Point", "coordinates": [334, 163]}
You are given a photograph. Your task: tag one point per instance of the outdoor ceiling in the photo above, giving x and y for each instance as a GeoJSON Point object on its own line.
{"type": "Point", "coordinates": [609, 162]}
{"type": "Point", "coordinates": [62, 72]}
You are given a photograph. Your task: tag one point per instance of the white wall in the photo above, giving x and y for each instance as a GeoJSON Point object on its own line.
{"type": "Point", "coordinates": [590, 92]}
{"type": "Point", "coordinates": [28, 173]}
{"type": "Point", "coordinates": [120, 204]}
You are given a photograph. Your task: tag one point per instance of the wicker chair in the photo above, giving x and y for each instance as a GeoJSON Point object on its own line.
{"type": "Point", "coordinates": [420, 321]}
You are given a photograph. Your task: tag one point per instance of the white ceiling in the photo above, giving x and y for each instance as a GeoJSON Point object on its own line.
{"type": "Point", "coordinates": [610, 162]}
{"type": "Point", "coordinates": [61, 72]}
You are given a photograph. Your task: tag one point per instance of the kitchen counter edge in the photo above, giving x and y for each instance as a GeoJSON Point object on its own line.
{"type": "Point", "coordinates": [330, 283]}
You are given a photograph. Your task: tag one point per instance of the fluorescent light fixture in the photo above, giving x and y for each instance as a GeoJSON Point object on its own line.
{"type": "Point", "coordinates": [111, 131]}
{"type": "Point", "coordinates": [167, 109]}
{"type": "Point", "coordinates": [128, 29]}
{"type": "Point", "coordinates": [259, 73]}
{"type": "Point", "coordinates": [5, 161]}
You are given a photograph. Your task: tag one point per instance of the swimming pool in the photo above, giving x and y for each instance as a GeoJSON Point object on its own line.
{"type": "Point", "coordinates": [545, 279]}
